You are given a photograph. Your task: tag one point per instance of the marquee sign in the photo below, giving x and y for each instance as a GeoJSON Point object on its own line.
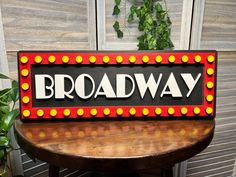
{"type": "Point", "coordinates": [77, 85]}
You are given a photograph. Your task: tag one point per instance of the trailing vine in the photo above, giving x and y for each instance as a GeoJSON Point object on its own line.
{"type": "Point", "coordinates": [153, 23]}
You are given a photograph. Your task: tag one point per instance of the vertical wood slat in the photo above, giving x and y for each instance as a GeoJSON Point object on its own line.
{"type": "Point", "coordinates": [186, 24]}
{"type": "Point", "coordinates": [3, 56]}
{"type": "Point", "coordinates": [197, 21]}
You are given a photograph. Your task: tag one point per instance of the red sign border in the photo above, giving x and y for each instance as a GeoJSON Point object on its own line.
{"type": "Point", "coordinates": [206, 58]}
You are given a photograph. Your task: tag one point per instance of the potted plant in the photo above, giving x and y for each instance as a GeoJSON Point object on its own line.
{"type": "Point", "coordinates": [8, 114]}
{"type": "Point", "coordinates": [153, 21]}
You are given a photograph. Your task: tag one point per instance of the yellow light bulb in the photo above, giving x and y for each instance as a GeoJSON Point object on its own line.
{"type": "Point", "coordinates": [210, 59]}
{"type": "Point", "coordinates": [145, 111]}
{"type": "Point", "coordinates": [38, 59]}
{"type": "Point", "coordinates": [185, 59]}
{"type": "Point", "coordinates": [80, 112]}
{"type": "Point", "coordinates": [171, 111]}
{"type": "Point", "coordinates": [92, 59]}
{"type": "Point", "coordinates": [65, 59]}
{"type": "Point", "coordinates": [209, 98]}
{"type": "Point", "coordinates": [132, 59]}
{"type": "Point", "coordinates": [196, 110]}
{"type": "Point", "coordinates": [210, 71]}
{"type": "Point", "coordinates": [119, 111]}
{"type": "Point", "coordinates": [25, 86]}
{"type": "Point", "coordinates": [171, 59]}
{"type": "Point", "coordinates": [145, 59]}
{"type": "Point", "coordinates": [93, 112]}
{"type": "Point", "coordinates": [158, 59]}
{"type": "Point", "coordinates": [184, 110]}
{"type": "Point", "coordinates": [24, 60]}
{"type": "Point", "coordinates": [26, 113]}
{"type": "Point", "coordinates": [79, 59]}
{"type": "Point", "coordinates": [25, 99]}
{"type": "Point", "coordinates": [132, 111]}
{"type": "Point", "coordinates": [106, 59]}
{"type": "Point", "coordinates": [40, 112]}
{"type": "Point", "coordinates": [158, 111]}
{"type": "Point", "coordinates": [198, 59]}
{"type": "Point", "coordinates": [209, 110]}
{"type": "Point", "coordinates": [66, 112]}
{"type": "Point", "coordinates": [25, 72]}
{"type": "Point", "coordinates": [53, 112]}
{"type": "Point", "coordinates": [210, 85]}
{"type": "Point", "coordinates": [51, 59]}
{"type": "Point", "coordinates": [106, 111]}
{"type": "Point", "coordinates": [119, 59]}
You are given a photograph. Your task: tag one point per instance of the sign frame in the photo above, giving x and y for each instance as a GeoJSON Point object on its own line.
{"type": "Point", "coordinates": [207, 58]}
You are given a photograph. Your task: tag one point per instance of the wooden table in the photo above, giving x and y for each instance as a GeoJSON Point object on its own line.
{"type": "Point", "coordinates": [114, 146]}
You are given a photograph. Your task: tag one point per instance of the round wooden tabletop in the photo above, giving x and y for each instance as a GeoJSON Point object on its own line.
{"type": "Point", "coordinates": [114, 145]}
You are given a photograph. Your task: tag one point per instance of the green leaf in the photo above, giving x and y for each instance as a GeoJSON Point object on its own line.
{"type": "Point", "coordinates": [154, 24]}
{"type": "Point", "coordinates": [4, 110]}
{"type": "Point", "coordinates": [14, 84]}
{"type": "Point", "coordinates": [8, 120]}
{"type": "Point", "coordinates": [116, 10]}
{"type": "Point", "coordinates": [133, 9]}
{"type": "Point", "coordinates": [4, 141]}
{"type": "Point", "coordinates": [117, 2]}
{"type": "Point", "coordinates": [3, 103]}
{"type": "Point", "coordinates": [116, 26]}
{"type": "Point", "coordinates": [158, 7]}
{"type": "Point", "coordinates": [2, 154]}
{"type": "Point", "coordinates": [168, 20]}
{"type": "Point", "coordinates": [130, 18]}
{"type": "Point", "coordinates": [14, 92]}
{"type": "Point", "coordinates": [4, 92]}
{"type": "Point", "coordinates": [2, 76]}
{"type": "Point", "coordinates": [120, 34]}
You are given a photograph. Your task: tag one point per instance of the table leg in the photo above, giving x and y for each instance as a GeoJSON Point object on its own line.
{"type": "Point", "coordinates": [114, 174]}
{"type": "Point", "coordinates": [53, 171]}
{"type": "Point", "coordinates": [167, 172]}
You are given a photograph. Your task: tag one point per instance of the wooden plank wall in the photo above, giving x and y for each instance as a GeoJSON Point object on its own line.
{"type": "Point", "coordinates": [219, 25]}
{"type": "Point", "coordinates": [215, 21]}
{"type": "Point", "coordinates": [47, 25]}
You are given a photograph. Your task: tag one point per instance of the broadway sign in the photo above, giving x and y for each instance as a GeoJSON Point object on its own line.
{"type": "Point", "coordinates": [78, 85]}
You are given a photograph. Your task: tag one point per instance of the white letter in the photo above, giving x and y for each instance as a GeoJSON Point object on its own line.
{"type": "Point", "coordinates": [190, 82]}
{"type": "Point", "coordinates": [173, 87]}
{"type": "Point", "coordinates": [106, 87]}
{"type": "Point", "coordinates": [151, 84]}
{"type": "Point", "coordinates": [80, 86]}
{"type": "Point", "coordinates": [60, 92]}
{"type": "Point", "coordinates": [40, 88]}
{"type": "Point", "coordinates": [121, 86]}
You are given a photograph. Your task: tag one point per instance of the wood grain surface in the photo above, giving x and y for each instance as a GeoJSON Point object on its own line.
{"type": "Point", "coordinates": [219, 25]}
{"type": "Point", "coordinates": [114, 145]}
{"type": "Point", "coordinates": [48, 24]}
